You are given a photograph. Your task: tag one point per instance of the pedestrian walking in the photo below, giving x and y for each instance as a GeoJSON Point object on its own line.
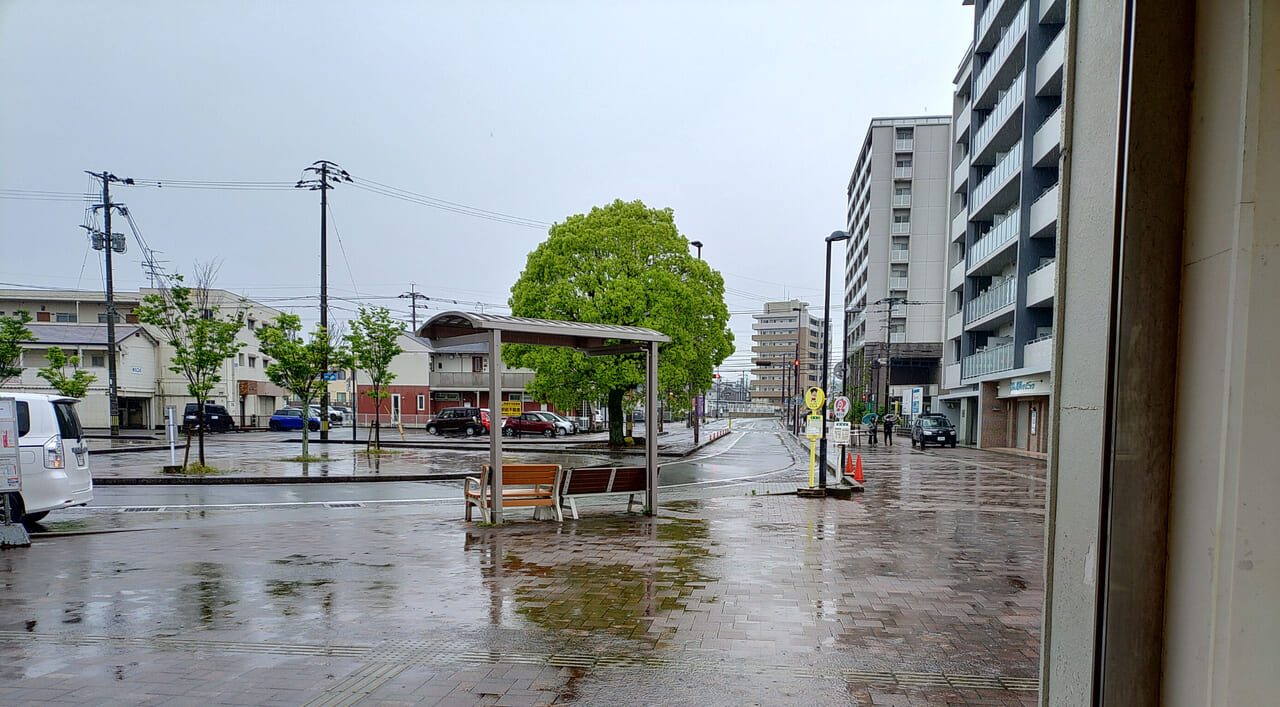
{"type": "Point", "coordinates": [871, 430]}
{"type": "Point", "coordinates": [888, 428]}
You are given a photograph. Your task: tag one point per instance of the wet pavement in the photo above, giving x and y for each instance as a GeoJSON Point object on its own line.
{"type": "Point", "coordinates": [925, 589]}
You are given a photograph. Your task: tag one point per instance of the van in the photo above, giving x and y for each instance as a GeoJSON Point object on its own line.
{"type": "Point", "coordinates": [53, 454]}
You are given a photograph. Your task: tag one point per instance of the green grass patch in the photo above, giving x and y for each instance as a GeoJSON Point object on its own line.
{"type": "Point", "coordinates": [381, 451]}
{"type": "Point", "coordinates": [306, 458]}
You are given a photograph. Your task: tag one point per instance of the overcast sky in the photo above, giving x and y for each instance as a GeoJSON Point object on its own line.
{"type": "Point", "coordinates": [743, 117]}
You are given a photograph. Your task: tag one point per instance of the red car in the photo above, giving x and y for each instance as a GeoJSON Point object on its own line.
{"type": "Point", "coordinates": [527, 424]}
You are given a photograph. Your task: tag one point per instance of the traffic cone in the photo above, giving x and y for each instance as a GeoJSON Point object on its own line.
{"type": "Point", "coordinates": [857, 470]}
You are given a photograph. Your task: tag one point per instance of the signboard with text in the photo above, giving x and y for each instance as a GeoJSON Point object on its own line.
{"type": "Point", "coordinates": [840, 406]}
{"type": "Point", "coordinates": [814, 398]}
{"type": "Point", "coordinates": [10, 476]}
{"type": "Point", "coordinates": [813, 426]}
{"type": "Point", "coordinates": [840, 432]}
{"type": "Point", "coordinates": [512, 407]}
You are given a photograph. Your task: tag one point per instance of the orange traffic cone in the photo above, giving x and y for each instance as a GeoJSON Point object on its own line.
{"type": "Point", "coordinates": [857, 470]}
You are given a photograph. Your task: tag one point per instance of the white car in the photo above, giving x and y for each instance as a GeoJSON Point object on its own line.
{"type": "Point", "coordinates": [53, 455]}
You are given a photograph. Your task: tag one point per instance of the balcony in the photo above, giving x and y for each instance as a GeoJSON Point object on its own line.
{"type": "Point", "coordinates": [897, 283]}
{"type": "Point", "coordinates": [453, 380]}
{"type": "Point", "coordinates": [1042, 284]}
{"type": "Point", "coordinates": [960, 177]}
{"type": "Point", "coordinates": [1000, 176]}
{"type": "Point", "coordinates": [1049, 68]}
{"type": "Point", "coordinates": [993, 360]}
{"type": "Point", "coordinates": [903, 145]}
{"type": "Point", "coordinates": [956, 277]}
{"type": "Point", "coordinates": [900, 228]}
{"type": "Point", "coordinates": [955, 326]}
{"type": "Point", "coordinates": [899, 255]}
{"type": "Point", "coordinates": [998, 65]}
{"type": "Point", "coordinates": [1053, 12]}
{"type": "Point", "coordinates": [897, 337]}
{"type": "Point", "coordinates": [993, 240]}
{"type": "Point", "coordinates": [1037, 355]}
{"type": "Point", "coordinates": [996, 298]}
{"type": "Point", "coordinates": [902, 200]}
{"type": "Point", "coordinates": [959, 224]}
{"type": "Point", "coordinates": [985, 22]}
{"type": "Point", "coordinates": [1044, 214]}
{"type": "Point", "coordinates": [1006, 114]}
{"type": "Point", "coordinates": [1047, 140]}
{"type": "Point", "coordinates": [962, 123]}
{"type": "Point", "coordinates": [951, 376]}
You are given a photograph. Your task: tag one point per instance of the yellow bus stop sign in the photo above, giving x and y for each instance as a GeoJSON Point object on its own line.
{"type": "Point", "coordinates": [814, 398]}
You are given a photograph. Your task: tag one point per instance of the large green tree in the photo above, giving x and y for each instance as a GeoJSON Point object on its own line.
{"type": "Point", "coordinates": [626, 264]}
{"type": "Point", "coordinates": [74, 385]}
{"type": "Point", "coordinates": [13, 332]}
{"type": "Point", "coordinates": [299, 365]}
{"type": "Point", "coordinates": [374, 344]}
{"type": "Point", "coordinates": [202, 338]}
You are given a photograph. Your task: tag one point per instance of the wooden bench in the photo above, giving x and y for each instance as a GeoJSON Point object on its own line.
{"type": "Point", "coordinates": [523, 485]}
{"type": "Point", "coordinates": [603, 481]}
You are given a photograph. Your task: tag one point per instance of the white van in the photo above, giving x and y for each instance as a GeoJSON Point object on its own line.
{"type": "Point", "coordinates": [54, 456]}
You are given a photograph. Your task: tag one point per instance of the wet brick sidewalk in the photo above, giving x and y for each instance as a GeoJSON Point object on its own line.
{"type": "Point", "coordinates": [926, 589]}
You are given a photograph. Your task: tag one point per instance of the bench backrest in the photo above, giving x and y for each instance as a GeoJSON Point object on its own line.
{"type": "Point", "coordinates": [605, 479]}
{"type": "Point", "coordinates": [524, 474]}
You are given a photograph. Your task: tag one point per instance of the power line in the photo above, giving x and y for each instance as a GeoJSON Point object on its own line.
{"type": "Point", "coordinates": [444, 205]}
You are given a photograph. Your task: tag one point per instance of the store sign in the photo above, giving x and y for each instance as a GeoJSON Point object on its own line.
{"type": "Point", "coordinates": [1025, 386]}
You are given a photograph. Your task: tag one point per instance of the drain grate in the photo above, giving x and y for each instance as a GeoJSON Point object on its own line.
{"type": "Point", "coordinates": [141, 509]}
{"type": "Point", "coordinates": [343, 505]}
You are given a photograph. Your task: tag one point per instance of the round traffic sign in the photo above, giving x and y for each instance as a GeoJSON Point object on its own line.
{"type": "Point", "coordinates": [840, 406]}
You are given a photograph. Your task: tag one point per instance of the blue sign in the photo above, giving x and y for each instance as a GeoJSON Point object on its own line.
{"type": "Point", "coordinates": [331, 376]}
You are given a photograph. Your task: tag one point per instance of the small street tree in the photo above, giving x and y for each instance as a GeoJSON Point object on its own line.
{"type": "Point", "coordinates": [298, 365]}
{"type": "Point", "coordinates": [201, 339]}
{"type": "Point", "coordinates": [13, 332]}
{"type": "Point", "coordinates": [74, 385]}
{"type": "Point", "coordinates": [626, 264]}
{"type": "Point", "coordinates": [373, 343]}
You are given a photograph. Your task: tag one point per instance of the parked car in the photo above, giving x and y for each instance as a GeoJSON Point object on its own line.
{"type": "Point", "coordinates": [335, 417]}
{"type": "Point", "coordinates": [216, 418]}
{"type": "Point", "coordinates": [563, 426]}
{"type": "Point", "coordinates": [528, 424]}
{"type": "Point", "coordinates": [53, 456]}
{"type": "Point", "coordinates": [467, 420]}
{"type": "Point", "coordinates": [343, 414]}
{"type": "Point", "coordinates": [932, 428]}
{"type": "Point", "coordinates": [291, 419]}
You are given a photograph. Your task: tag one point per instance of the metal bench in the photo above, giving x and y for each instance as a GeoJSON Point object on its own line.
{"type": "Point", "coordinates": [523, 485]}
{"type": "Point", "coordinates": [602, 481]}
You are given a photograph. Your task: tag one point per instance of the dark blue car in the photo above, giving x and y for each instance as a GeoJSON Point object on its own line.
{"type": "Point", "coordinates": [291, 419]}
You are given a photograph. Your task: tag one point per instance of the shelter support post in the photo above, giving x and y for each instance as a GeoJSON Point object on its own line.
{"type": "Point", "coordinates": [651, 429]}
{"type": "Point", "coordinates": [495, 419]}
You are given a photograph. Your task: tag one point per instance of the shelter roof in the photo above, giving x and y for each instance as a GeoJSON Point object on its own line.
{"type": "Point", "coordinates": [594, 339]}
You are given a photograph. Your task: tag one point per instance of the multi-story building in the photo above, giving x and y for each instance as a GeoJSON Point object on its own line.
{"type": "Point", "coordinates": [894, 265]}
{"type": "Point", "coordinates": [786, 339]}
{"type": "Point", "coordinates": [1001, 276]}
{"type": "Point", "coordinates": [75, 321]}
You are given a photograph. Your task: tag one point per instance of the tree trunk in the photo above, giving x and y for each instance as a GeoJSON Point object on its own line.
{"type": "Point", "coordinates": [306, 427]}
{"type": "Point", "coordinates": [615, 417]}
{"type": "Point", "coordinates": [200, 422]}
{"type": "Point", "coordinates": [377, 418]}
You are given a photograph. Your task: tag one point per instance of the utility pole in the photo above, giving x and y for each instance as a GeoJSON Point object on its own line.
{"type": "Point", "coordinates": [109, 242]}
{"type": "Point", "coordinates": [413, 296]}
{"type": "Point", "coordinates": [324, 171]}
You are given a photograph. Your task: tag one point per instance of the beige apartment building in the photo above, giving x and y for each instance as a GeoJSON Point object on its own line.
{"type": "Point", "coordinates": [786, 345]}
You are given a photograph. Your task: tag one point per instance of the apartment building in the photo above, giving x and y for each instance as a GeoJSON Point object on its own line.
{"type": "Point", "coordinates": [783, 334]}
{"type": "Point", "coordinates": [75, 321]}
{"type": "Point", "coordinates": [895, 272]}
{"type": "Point", "coordinates": [1001, 277]}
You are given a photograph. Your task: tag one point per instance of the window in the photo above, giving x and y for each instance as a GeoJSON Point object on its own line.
{"type": "Point", "coordinates": [251, 323]}
{"type": "Point", "coordinates": [24, 418]}
{"type": "Point", "coordinates": [422, 401]}
{"type": "Point", "coordinates": [65, 317]}
{"type": "Point", "coordinates": [902, 133]}
{"type": "Point", "coordinates": [341, 397]}
{"type": "Point", "coordinates": [97, 360]}
{"type": "Point", "coordinates": [102, 318]}
{"type": "Point", "coordinates": [477, 364]}
{"type": "Point", "coordinates": [241, 362]}
{"type": "Point", "coordinates": [253, 362]}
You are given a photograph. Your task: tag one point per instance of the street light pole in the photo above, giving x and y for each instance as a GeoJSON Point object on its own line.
{"type": "Point", "coordinates": [826, 347]}
{"type": "Point", "coordinates": [693, 390]}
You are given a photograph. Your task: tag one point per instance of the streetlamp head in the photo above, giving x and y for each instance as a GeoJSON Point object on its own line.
{"type": "Point", "coordinates": [696, 244]}
{"type": "Point", "coordinates": [838, 236]}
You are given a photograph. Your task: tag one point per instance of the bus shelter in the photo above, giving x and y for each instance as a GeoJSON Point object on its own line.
{"type": "Point", "coordinates": [456, 328]}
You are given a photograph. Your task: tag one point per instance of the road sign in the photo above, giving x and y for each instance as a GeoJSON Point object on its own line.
{"type": "Point", "coordinates": [813, 426]}
{"type": "Point", "coordinates": [840, 406]}
{"type": "Point", "coordinates": [813, 398]}
{"type": "Point", "coordinates": [840, 432]}
{"type": "Point", "coordinates": [331, 376]}
{"type": "Point", "coordinates": [512, 407]}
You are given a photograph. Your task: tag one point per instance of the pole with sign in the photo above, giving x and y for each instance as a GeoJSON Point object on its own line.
{"type": "Point", "coordinates": [840, 431]}
{"type": "Point", "coordinates": [10, 473]}
{"type": "Point", "coordinates": [813, 399]}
